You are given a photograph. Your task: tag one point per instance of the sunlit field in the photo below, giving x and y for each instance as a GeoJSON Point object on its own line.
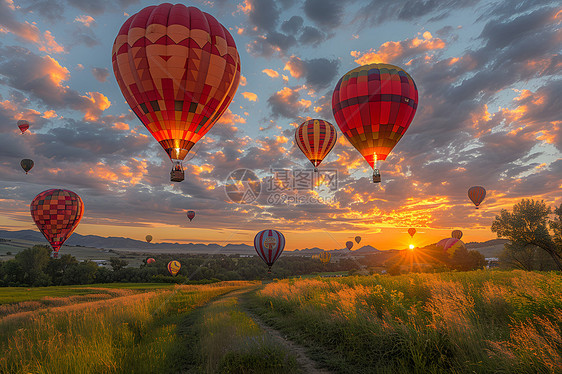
{"type": "Point", "coordinates": [113, 330]}
{"type": "Point", "coordinates": [501, 322]}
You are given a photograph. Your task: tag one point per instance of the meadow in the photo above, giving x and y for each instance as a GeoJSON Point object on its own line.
{"type": "Point", "coordinates": [473, 322]}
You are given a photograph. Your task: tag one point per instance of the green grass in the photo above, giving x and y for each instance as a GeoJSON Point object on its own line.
{"type": "Point", "coordinates": [475, 322]}
{"type": "Point", "coordinates": [135, 333]}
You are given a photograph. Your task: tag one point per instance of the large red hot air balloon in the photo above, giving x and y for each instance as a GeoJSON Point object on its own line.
{"type": "Point", "coordinates": [190, 215]}
{"type": "Point", "coordinates": [373, 106]}
{"type": "Point", "coordinates": [23, 125]}
{"type": "Point", "coordinates": [316, 138]}
{"type": "Point", "coordinates": [178, 69]}
{"type": "Point", "coordinates": [476, 194]}
{"type": "Point", "coordinates": [411, 231]}
{"type": "Point", "coordinates": [57, 213]}
{"type": "Point", "coordinates": [269, 245]}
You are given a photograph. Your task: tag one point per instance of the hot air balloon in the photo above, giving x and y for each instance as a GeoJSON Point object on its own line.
{"type": "Point", "coordinates": [441, 243]}
{"type": "Point", "coordinates": [456, 234]}
{"type": "Point", "coordinates": [476, 194]}
{"type": "Point", "coordinates": [315, 257]}
{"type": "Point", "coordinates": [178, 68]}
{"type": "Point", "coordinates": [269, 245]}
{"type": "Point", "coordinates": [325, 257]}
{"type": "Point", "coordinates": [190, 215]}
{"type": "Point", "coordinates": [23, 125]}
{"type": "Point", "coordinates": [26, 164]}
{"type": "Point", "coordinates": [451, 245]}
{"type": "Point", "coordinates": [150, 260]}
{"type": "Point", "coordinates": [373, 106]}
{"type": "Point", "coordinates": [173, 267]}
{"type": "Point", "coordinates": [57, 213]}
{"type": "Point", "coordinates": [411, 231]}
{"type": "Point", "coordinates": [349, 245]}
{"type": "Point", "coordinates": [315, 138]}
{"type": "Point", "coordinates": [358, 239]}
{"type": "Point", "coordinates": [148, 238]}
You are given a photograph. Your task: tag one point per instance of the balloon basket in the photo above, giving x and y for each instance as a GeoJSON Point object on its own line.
{"type": "Point", "coordinates": [177, 175]}
{"type": "Point", "coordinates": [376, 176]}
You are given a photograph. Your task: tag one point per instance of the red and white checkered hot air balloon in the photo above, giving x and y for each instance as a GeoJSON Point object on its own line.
{"type": "Point", "coordinates": [316, 138]}
{"type": "Point", "coordinates": [57, 213]}
{"type": "Point", "coordinates": [269, 245]}
{"type": "Point", "coordinates": [178, 68]}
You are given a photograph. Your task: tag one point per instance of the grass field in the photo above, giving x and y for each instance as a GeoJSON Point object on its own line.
{"type": "Point", "coordinates": [476, 322]}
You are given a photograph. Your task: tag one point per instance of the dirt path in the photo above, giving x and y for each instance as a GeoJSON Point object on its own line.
{"type": "Point", "coordinates": [308, 365]}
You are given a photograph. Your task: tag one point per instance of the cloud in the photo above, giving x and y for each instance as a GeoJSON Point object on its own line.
{"type": "Point", "coordinates": [392, 52]}
{"type": "Point", "coordinates": [100, 74]}
{"type": "Point", "coordinates": [49, 45]}
{"type": "Point", "coordinates": [286, 103]}
{"type": "Point", "coordinates": [311, 36]}
{"type": "Point", "coordinates": [270, 73]}
{"type": "Point", "coordinates": [325, 13]}
{"type": "Point", "coordinates": [250, 96]}
{"type": "Point", "coordinates": [273, 42]}
{"type": "Point", "coordinates": [23, 30]}
{"type": "Point", "coordinates": [85, 20]}
{"type": "Point", "coordinates": [318, 73]}
{"type": "Point", "coordinates": [292, 26]}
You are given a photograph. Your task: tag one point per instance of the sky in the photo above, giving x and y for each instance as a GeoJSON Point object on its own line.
{"type": "Point", "coordinates": [489, 75]}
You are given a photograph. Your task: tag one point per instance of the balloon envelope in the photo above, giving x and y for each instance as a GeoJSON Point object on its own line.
{"type": "Point", "coordinates": [315, 138]}
{"type": "Point", "coordinates": [325, 257]}
{"type": "Point", "coordinates": [357, 239]}
{"type": "Point", "coordinates": [476, 194]}
{"type": "Point", "coordinates": [23, 125]}
{"type": "Point", "coordinates": [191, 215]}
{"type": "Point", "coordinates": [150, 260]}
{"type": "Point", "coordinates": [451, 245]}
{"type": "Point", "coordinates": [173, 267]}
{"type": "Point", "coordinates": [373, 106]}
{"type": "Point", "coordinates": [269, 245]}
{"type": "Point", "coordinates": [57, 213]}
{"type": "Point", "coordinates": [411, 231]}
{"type": "Point", "coordinates": [148, 238]}
{"type": "Point", "coordinates": [457, 234]}
{"type": "Point", "coordinates": [178, 68]}
{"type": "Point", "coordinates": [26, 164]}
{"type": "Point", "coordinates": [349, 245]}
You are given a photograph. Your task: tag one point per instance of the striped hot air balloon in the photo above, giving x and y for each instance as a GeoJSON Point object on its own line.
{"type": "Point", "coordinates": [349, 244]}
{"type": "Point", "coordinates": [325, 257]}
{"type": "Point", "coordinates": [457, 234]}
{"type": "Point", "coordinates": [269, 245]}
{"type": "Point", "coordinates": [178, 68]}
{"type": "Point", "coordinates": [476, 194]}
{"type": "Point", "coordinates": [315, 138]}
{"type": "Point", "coordinates": [57, 213]}
{"type": "Point", "coordinates": [174, 267]}
{"type": "Point", "coordinates": [373, 106]}
{"type": "Point", "coordinates": [26, 164]}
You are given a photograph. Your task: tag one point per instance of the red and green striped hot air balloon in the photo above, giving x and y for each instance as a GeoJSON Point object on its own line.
{"type": "Point", "coordinates": [178, 68]}
{"type": "Point", "coordinates": [316, 138]}
{"type": "Point", "coordinates": [269, 245]}
{"type": "Point", "coordinates": [57, 213]}
{"type": "Point", "coordinates": [373, 106]}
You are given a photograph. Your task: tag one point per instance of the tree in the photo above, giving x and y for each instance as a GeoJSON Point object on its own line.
{"type": "Point", "coordinates": [117, 264]}
{"type": "Point", "coordinates": [33, 262]}
{"type": "Point", "coordinates": [465, 260]}
{"type": "Point", "coordinates": [527, 226]}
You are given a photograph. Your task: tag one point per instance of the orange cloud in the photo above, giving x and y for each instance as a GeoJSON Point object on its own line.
{"type": "Point", "coordinates": [50, 114]}
{"type": "Point", "coordinates": [121, 126]}
{"type": "Point", "coordinates": [242, 80]}
{"type": "Point", "coordinates": [97, 104]}
{"type": "Point", "coordinates": [85, 20]}
{"type": "Point", "coordinates": [229, 118]}
{"type": "Point", "coordinates": [392, 51]}
{"type": "Point", "coordinates": [270, 73]}
{"type": "Point", "coordinates": [250, 96]}
{"type": "Point", "coordinates": [245, 7]}
{"type": "Point", "coordinates": [49, 44]}
{"type": "Point", "coordinates": [295, 67]}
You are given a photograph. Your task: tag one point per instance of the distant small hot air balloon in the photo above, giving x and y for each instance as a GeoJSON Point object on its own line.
{"type": "Point", "coordinates": [148, 238]}
{"type": "Point", "coordinates": [349, 245]}
{"type": "Point", "coordinates": [173, 267]}
{"type": "Point", "coordinates": [150, 260]}
{"type": "Point", "coordinates": [57, 213]}
{"type": "Point", "coordinates": [269, 245]}
{"type": "Point", "coordinates": [315, 138]}
{"type": "Point", "coordinates": [315, 257]}
{"type": "Point", "coordinates": [373, 106]}
{"type": "Point", "coordinates": [357, 239]}
{"type": "Point", "coordinates": [23, 125]}
{"type": "Point", "coordinates": [191, 215]}
{"type": "Point", "coordinates": [411, 231]}
{"type": "Point", "coordinates": [325, 257]}
{"type": "Point", "coordinates": [457, 234]}
{"type": "Point", "coordinates": [476, 194]}
{"type": "Point", "coordinates": [178, 68]}
{"type": "Point", "coordinates": [26, 164]}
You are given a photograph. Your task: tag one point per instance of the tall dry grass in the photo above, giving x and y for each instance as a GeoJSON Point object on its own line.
{"type": "Point", "coordinates": [124, 334]}
{"type": "Point", "coordinates": [456, 322]}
